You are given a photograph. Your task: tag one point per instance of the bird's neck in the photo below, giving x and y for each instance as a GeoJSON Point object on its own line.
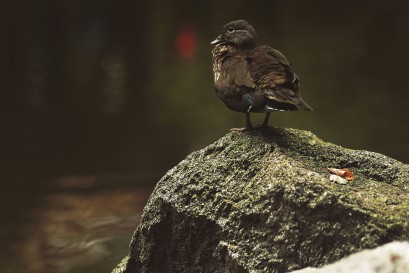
{"type": "Point", "coordinates": [221, 50]}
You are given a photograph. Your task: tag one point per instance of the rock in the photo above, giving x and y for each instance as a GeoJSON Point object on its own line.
{"type": "Point", "coordinates": [390, 258]}
{"type": "Point", "coordinates": [262, 201]}
{"type": "Point", "coordinates": [121, 266]}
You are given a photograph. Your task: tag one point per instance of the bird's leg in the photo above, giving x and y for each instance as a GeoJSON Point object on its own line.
{"type": "Point", "coordinates": [265, 121]}
{"type": "Point", "coordinates": [248, 127]}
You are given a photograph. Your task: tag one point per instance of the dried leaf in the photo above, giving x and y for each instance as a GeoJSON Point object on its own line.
{"type": "Point", "coordinates": [345, 173]}
{"type": "Point", "coordinates": [348, 175]}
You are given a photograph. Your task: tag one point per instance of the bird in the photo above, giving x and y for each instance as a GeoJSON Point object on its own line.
{"type": "Point", "coordinates": [250, 78]}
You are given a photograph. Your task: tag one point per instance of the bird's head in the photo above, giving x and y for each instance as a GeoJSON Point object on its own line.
{"type": "Point", "coordinates": [237, 33]}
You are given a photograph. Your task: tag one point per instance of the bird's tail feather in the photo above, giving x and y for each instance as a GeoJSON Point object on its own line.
{"type": "Point", "coordinates": [304, 105]}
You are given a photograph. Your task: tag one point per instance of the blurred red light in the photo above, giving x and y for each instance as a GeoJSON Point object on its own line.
{"type": "Point", "coordinates": [186, 43]}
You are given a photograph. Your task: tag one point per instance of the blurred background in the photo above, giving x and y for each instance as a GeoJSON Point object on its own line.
{"type": "Point", "coordinates": [99, 98]}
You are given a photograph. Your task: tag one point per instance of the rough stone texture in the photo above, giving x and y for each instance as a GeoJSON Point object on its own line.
{"type": "Point", "coordinates": [262, 201]}
{"type": "Point", "coordinates": [390, 258]}
{"type": "Point", "coordinates": [120, 268]}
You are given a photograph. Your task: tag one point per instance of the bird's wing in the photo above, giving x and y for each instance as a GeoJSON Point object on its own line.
{"type": "Point", "coordinates": [270, 68]}
{"type": "Point", "coordinates": [272, 73]}
{"type": "Point", "coordinates": [276, 54]}
{"type": "Point", "coordinates": [237, 76]}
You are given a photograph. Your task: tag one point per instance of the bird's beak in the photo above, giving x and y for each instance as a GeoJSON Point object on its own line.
{"type": "Point", "coordinates": [218, 40]}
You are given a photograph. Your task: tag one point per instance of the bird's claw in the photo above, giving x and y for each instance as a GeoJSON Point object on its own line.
{"type": "Point", "coordinates": [243, 129]}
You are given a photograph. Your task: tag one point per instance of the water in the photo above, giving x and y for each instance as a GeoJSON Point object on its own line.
{"type": "Point", "coordinates": [79, 226]}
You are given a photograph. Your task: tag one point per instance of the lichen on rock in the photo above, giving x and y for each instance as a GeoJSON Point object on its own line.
{"type": "Point", "coordinates": [262, 201]}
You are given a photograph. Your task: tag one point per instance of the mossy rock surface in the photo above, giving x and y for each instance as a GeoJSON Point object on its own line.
{"type": "Point", "coordinates": [262, 201]}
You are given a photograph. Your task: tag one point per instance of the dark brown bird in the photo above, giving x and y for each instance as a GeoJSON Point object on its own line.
{"type": "Point", "coordinates": [250, 78]}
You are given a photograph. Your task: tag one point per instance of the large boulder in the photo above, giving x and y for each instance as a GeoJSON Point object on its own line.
{"type": "Point", "coordinates": [262, 201]}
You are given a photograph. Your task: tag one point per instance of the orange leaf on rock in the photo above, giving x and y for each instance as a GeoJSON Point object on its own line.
{"type": "Point", "coordinates": [345, 173]}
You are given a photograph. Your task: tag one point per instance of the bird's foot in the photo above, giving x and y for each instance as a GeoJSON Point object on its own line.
{"type": "Point", "coordinates": [238, 129]}
{"type": "Point", "coordinates": [248, 127]}
{"type": "Point", "coordinates": [243, 129]}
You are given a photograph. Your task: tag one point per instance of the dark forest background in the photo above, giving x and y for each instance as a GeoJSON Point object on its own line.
{"type": "Point", "coordinates": [125, 88]}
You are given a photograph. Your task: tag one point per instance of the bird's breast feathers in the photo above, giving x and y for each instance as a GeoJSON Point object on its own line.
{"type": "Point", "coordinates": [231, 68]}
{"type": "Point", "coordinates": [219, 54]}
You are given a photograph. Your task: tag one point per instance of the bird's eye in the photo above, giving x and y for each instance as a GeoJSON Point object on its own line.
{"type": "Point", "coordinates": [230, 29]}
